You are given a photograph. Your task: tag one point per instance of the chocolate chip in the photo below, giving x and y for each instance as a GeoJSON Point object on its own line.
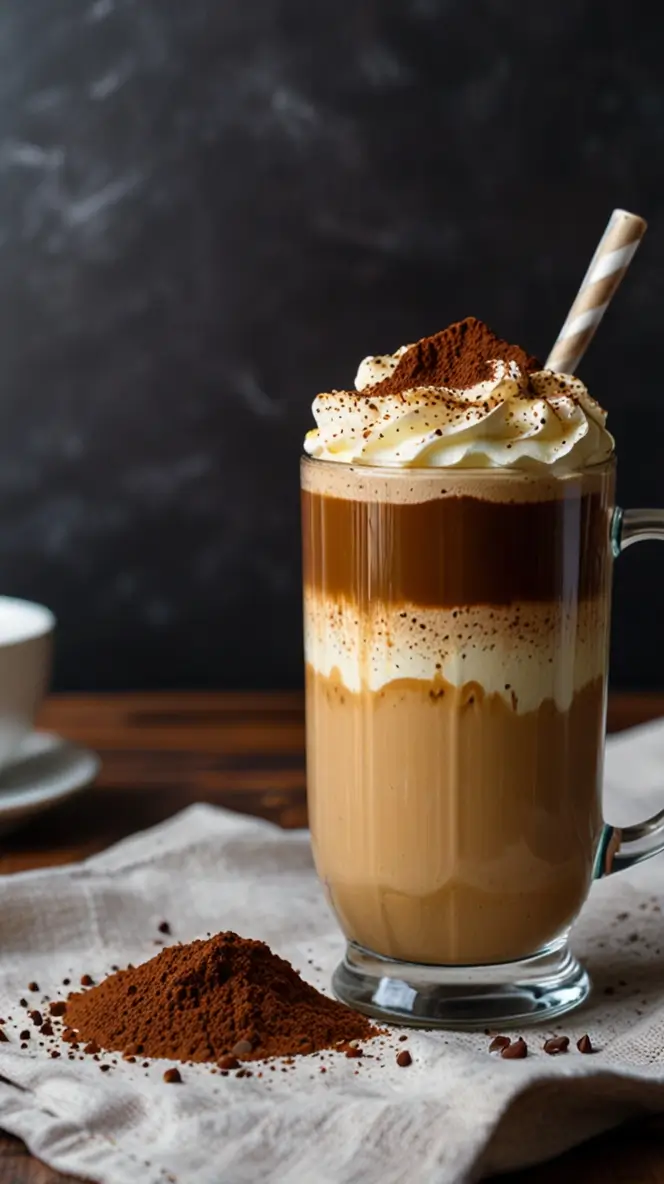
{"type": "Point", "coordinates": [87, 981]}
{"type": "Point", "coordinates": [404, 1037]}
{"type": "Point", "coordinates": [58, 1007]}
{"type": "Point", "coordinates": [36, 1017]}
{"type": "Point", "coordinates": [24, 1035]}
{"type": "Point", "coordinates": [23, 1002]}
{"type": "Point", "coordinates": [164, 927]}
{"type": "Point", "coordinates": [104, 1068]}
{"type": "Point", "coordinates": [46, 1029]}
{"type": "Point", "coordinates": [91, 1047]}
{"type": "Point", "coordinates": [516, 1050]}
{"type": "Point", "coordinates": [33, 986]}
{"type": "Point", "coordinates": [584, 1044]}
{"type": "Point", "coordinates": [498, 1043]}
{"type": "Point", "coordinates": [404, 1059]}
{"type": "Point", "coordinates": [242, 1048]}
{"type": "Point", "coordinates": [556, 1045]}
{"type": "Point", "coordinates": [55, 1053]}
{"type": "Point", "coordinates": [4, 1038]}
{"type": "Point", "coordinates": [229, 1062]}
{"type": "Point", "coordinates": [172, 1076]}
{"type": "Point", "coordinates": [355, 1052]}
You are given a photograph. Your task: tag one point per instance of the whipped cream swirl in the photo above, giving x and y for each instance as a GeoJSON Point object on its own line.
{"type": "Point", "coordinates": [512, 420]}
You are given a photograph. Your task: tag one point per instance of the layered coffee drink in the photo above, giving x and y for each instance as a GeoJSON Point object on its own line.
{"type": "Point", "coordinates": [456, 513]}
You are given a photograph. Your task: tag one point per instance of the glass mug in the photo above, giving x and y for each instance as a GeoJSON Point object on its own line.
{"type": "Point", "coordinates": [456, 646]}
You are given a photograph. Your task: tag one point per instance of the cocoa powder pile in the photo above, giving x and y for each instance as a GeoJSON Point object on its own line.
{"type": "Point", "coordinates": [225, 997]}
{"type": "Point", "coordinates": [457, 357]}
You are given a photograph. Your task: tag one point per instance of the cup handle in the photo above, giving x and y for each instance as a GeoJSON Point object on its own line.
{"type": "Point", "coordinates": [621, 847]}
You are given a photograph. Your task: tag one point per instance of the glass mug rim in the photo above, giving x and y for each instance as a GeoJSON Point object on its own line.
{"type": "Point", "coordinates": [486, 472]}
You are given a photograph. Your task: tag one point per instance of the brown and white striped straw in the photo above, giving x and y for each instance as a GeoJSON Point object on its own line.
{"type": "Point", "coordinates": [613, 256]}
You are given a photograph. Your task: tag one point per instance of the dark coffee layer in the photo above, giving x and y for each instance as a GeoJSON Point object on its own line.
{"type": "Point", "coordinates": [453, 551]}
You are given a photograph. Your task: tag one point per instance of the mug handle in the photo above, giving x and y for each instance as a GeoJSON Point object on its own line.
{"type": "Point", "coordinates": [621, 847]}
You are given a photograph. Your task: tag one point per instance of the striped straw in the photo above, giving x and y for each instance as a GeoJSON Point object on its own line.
{"type": "Point", "coordinates": [613, 256]}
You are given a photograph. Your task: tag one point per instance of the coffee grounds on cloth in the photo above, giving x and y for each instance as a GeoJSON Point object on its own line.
{"type": "Point", "coordinates": [197, 1002]}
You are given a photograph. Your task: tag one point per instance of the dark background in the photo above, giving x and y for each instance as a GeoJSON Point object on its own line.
{"type": "Point", "coordinates": [212, 209]}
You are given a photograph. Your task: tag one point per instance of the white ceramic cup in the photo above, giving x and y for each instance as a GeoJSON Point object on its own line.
{"type": "Point", "coordinates": [26, 646]}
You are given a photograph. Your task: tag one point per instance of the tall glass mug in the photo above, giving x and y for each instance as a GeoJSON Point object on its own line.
{"type": "Point", "coordinates": [456, 643]}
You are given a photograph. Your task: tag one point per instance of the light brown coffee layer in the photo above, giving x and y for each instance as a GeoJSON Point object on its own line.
{"type": "Point", "coordinates": [449, 828]}
{"type": "Point", "coordinates": [406, 486]}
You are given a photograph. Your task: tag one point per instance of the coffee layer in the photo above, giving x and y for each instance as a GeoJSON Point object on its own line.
{"type": "Point", "coordinates": [367, 483]}
{"type": "Point", "coordinates": [456, 550]}
{"type": "Point", "coordinates": [525, 652]}
{"type": "Point", "coordinates": [447, 827]}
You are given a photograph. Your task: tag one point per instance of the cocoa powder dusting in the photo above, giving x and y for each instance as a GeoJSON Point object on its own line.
{"type": "Point", "coordinates": [457, 357]}
{"type": "Point", "coordinates": [206, 1000]}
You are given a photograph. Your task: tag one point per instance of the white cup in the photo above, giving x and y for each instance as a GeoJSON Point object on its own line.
{"type": "Point", "coordinates": [26, 647]}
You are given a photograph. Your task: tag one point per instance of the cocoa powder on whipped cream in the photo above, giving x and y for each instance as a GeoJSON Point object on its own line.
{"type": "Point", "coordinates": [459, 357]}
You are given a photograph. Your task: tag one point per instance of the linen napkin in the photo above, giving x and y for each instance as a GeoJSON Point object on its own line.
{"type": "Point", "coordinates": [454, 1115]}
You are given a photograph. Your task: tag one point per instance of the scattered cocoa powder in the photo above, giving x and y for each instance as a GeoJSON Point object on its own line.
{"type": "Point", "coordinates": [556, 1045]}
{"type": "Point", "coordinates": [515, 1050]}
{"type": "Point", "coordinates": [211, 999]}
{"type": "Point", "coordinates": [458, 357]}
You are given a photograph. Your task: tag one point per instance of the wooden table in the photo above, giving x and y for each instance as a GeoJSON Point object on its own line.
{"type": "Point", "coordinates": [162, 752]}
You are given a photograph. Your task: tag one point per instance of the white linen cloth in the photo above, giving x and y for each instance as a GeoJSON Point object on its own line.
{"type": "Point", "coordinates": [454, 1115]}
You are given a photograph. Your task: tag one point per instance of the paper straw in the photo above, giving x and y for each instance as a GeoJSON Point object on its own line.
{"type": "Point", "coordinates": [613, 256]}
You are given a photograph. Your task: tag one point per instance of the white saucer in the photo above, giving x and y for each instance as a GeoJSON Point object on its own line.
{"type": "Point", "coordinates": [46, 770]}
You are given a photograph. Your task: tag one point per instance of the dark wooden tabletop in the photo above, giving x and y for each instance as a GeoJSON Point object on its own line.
{"type": "Point", "coordinates": [163, 751]}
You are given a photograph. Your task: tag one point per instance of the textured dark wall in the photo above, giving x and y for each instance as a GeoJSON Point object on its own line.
{"type": "Point", "coordinates": [212, 209]}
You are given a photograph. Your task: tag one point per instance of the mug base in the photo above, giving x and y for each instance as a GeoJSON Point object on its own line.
{"type": "Point", "coordinates": [533, 990]}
